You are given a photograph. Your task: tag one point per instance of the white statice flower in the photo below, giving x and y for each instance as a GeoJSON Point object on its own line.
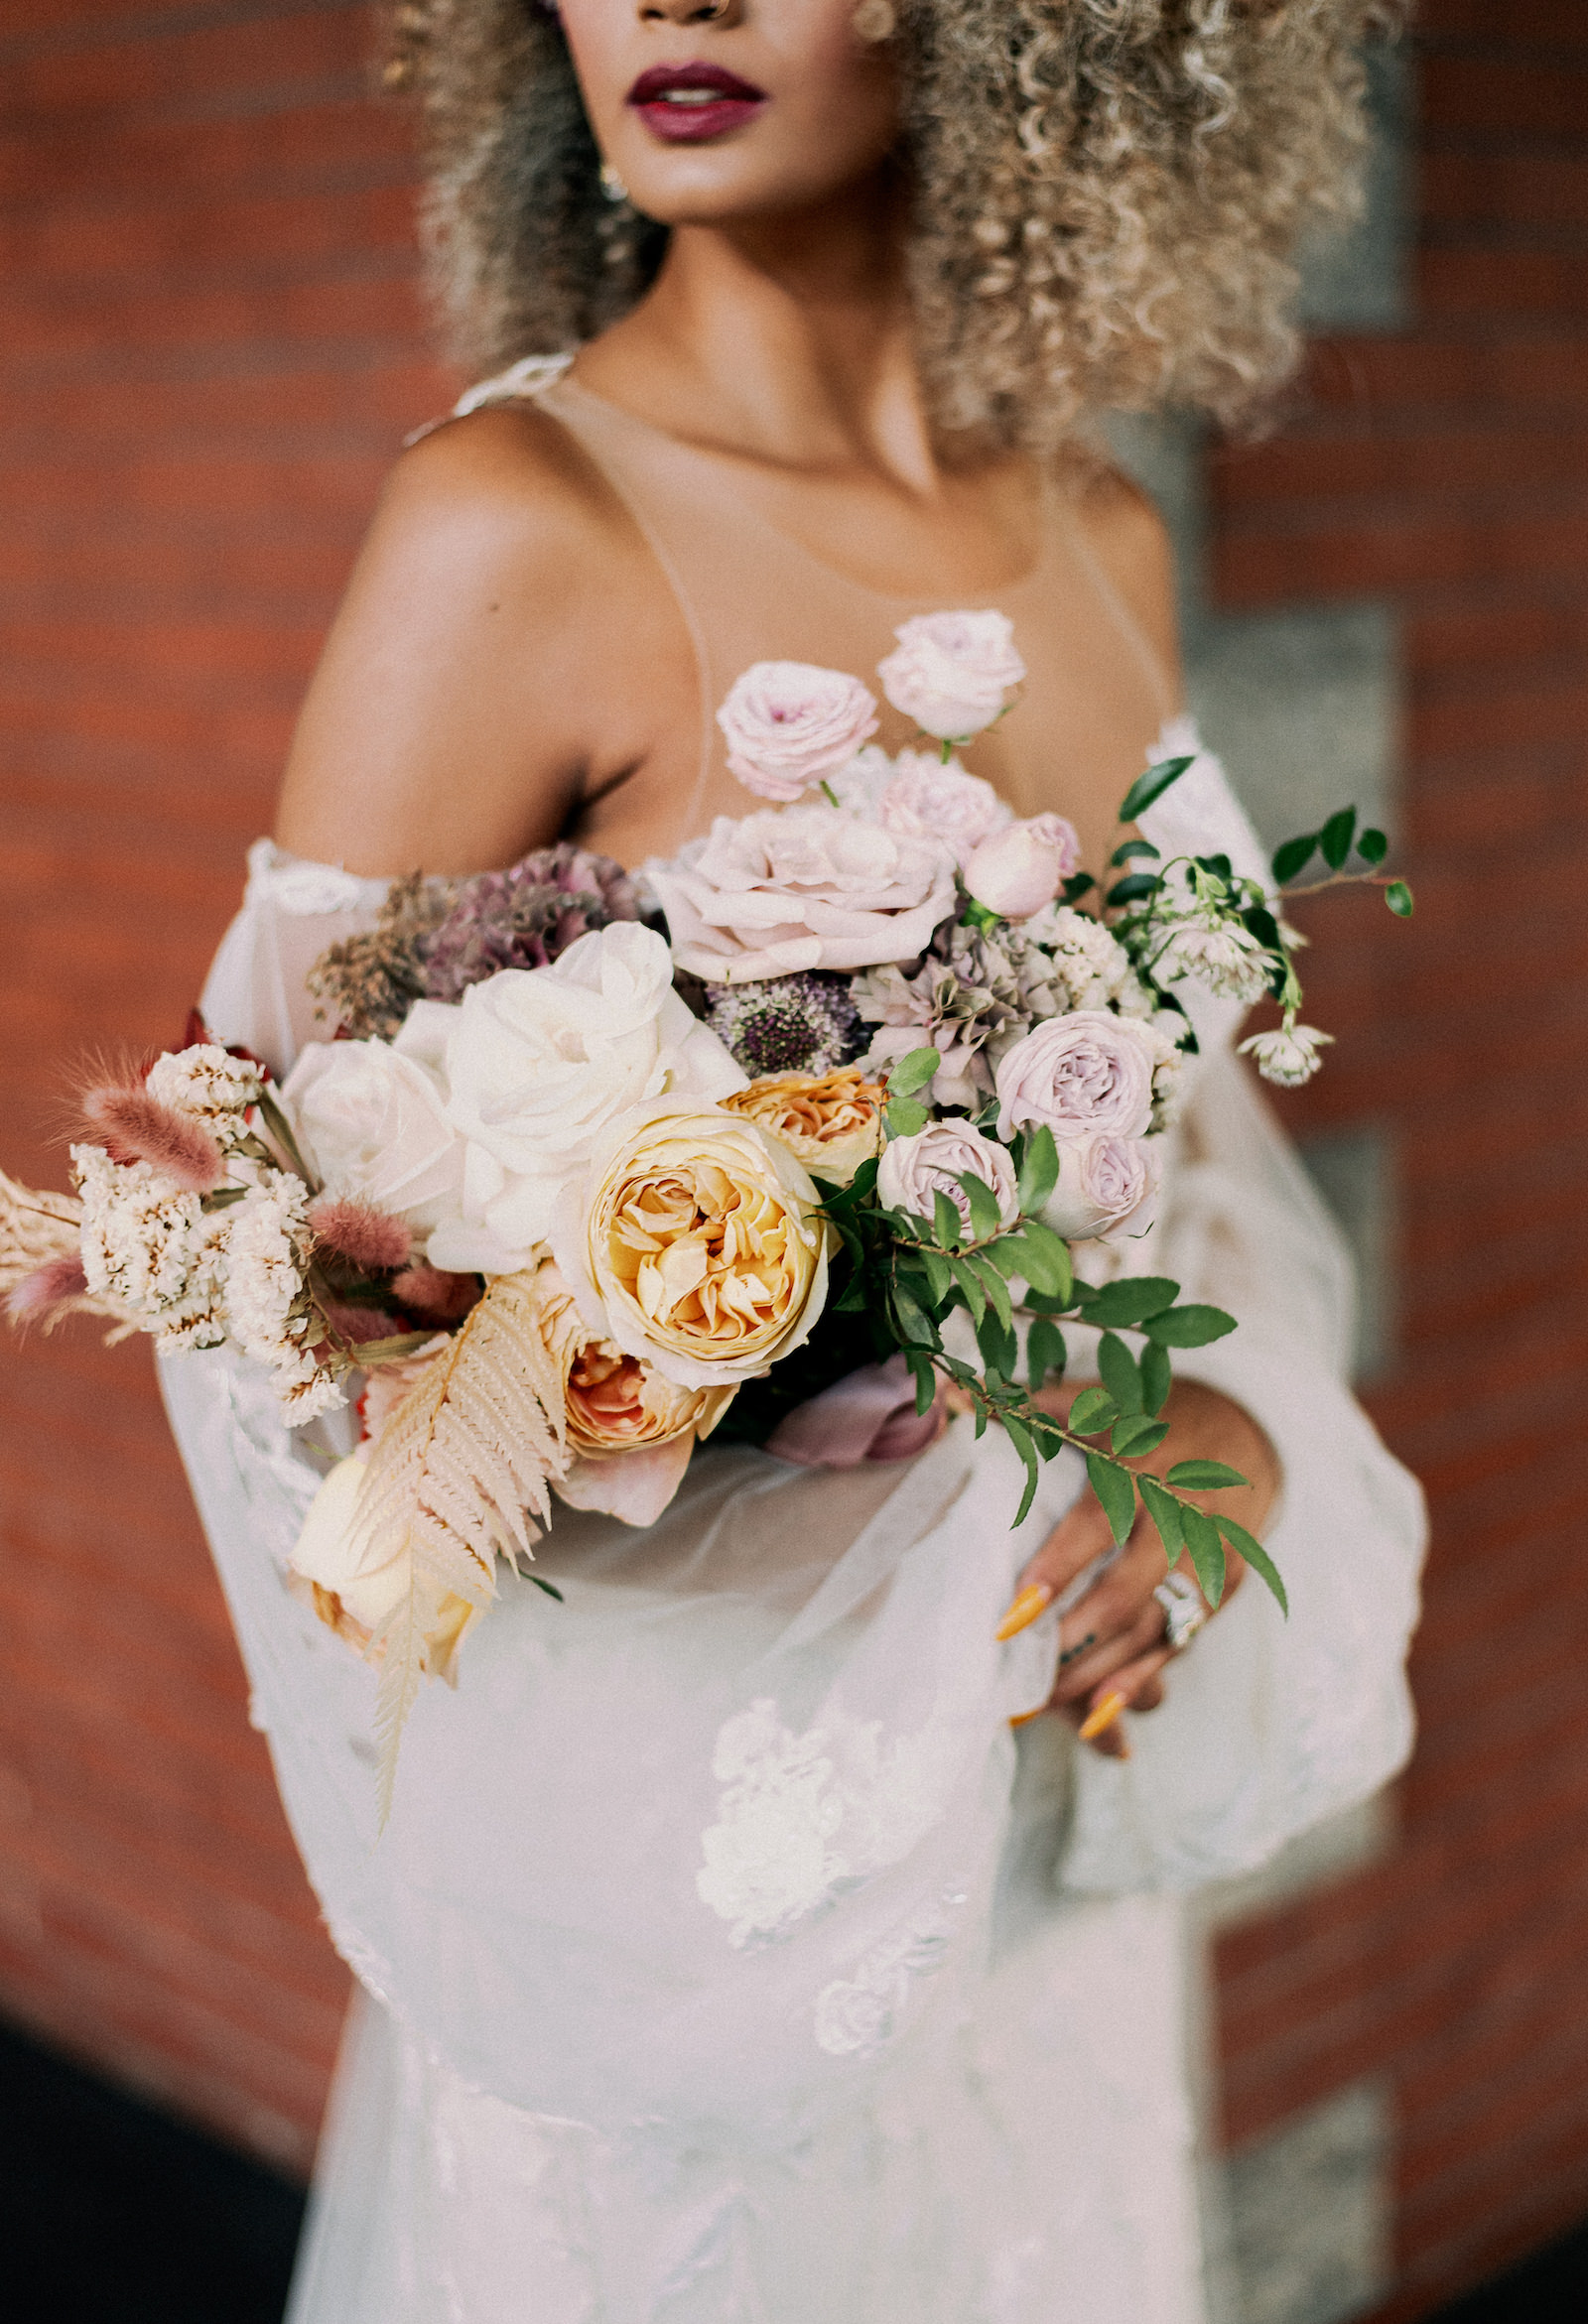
{"type": "Point", "coordinates": [267, 1253]}
{"type": "Point", "coordinates": [207, 1082]}
{"type": "Point", "coordinates": [151, 1246]}
{"type": "Point", "coordinates": [1221, 954]}
{"type": "Point", "coordinates": [1090, 962]}
{"type": "Point", "coordinates": [1288, 1056]}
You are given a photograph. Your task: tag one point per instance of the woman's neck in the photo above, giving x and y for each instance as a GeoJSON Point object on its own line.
{"type": "Point", "coordinates": [784, 340]}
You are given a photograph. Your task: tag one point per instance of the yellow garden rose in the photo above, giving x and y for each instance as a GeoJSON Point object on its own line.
{"type": "Point", "coordinates": [702, 1241]}
{"type": "Point", "coordinates": [832, 1122]}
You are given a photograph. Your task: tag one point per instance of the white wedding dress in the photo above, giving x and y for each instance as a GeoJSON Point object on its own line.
{"type": "Point", "coordinates": [727, 1959]}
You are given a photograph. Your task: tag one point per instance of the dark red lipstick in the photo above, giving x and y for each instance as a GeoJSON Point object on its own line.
{"type": "Point", "coordinates": [686, 104]}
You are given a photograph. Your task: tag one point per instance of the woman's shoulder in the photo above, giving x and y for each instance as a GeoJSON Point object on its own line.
{"type": "Point", "coordinates": [1126, 534]}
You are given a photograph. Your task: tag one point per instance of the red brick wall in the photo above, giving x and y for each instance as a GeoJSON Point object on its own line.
{"type": "Point", "coordinates": [1448, 470]}
{"type": "Point", "coordinates": [209, 345]}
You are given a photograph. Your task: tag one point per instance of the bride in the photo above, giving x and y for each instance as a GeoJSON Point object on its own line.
{"type": "Point", "coordinates": [739, 1951]}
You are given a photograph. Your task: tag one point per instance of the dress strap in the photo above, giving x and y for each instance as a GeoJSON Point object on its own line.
{"type": "Point", "coordinates": [530, 376]}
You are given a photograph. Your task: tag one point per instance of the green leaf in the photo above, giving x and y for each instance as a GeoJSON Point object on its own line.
{"type": "Point", "coordinates": [1289, 859]}
{"type": "Point", "coordinates": [1372, 845]}
{"type": "Point", "coordinates": [1150, 786]}
{"type": "Point", "coordinates": [1156, 1377]}
{"type": "Point", "coordinates": [1045, 1259]}
{"type": "Point", "coordinates": [916, 1327]}
{"type": "Point", "coordinates": [1398, 898]}
{"type": "Point", "coordinates": [1129, 1300]}
{"type": "Point", "coordinates": [1204, 1475]}
{"type": "Point", "coordinates": [936, 1269]}
{"type": "Point", "coordinates": [1191, 1325]}
{"type": "Point", "coordinates": [1075, 887]}
{"type": "Point", "coordinates": [1119, 1374]}
{"type": "Point", "coordinates": [1019, 1437]}
{"type": "Point", "coordinates": [864, 1182]}
{"type": "Point", "coordinates": [947, 1225]}
{"type": "Point", "coordinates": [1257, 1557]}
{"type": "Point", "coordinates": [971, 1284]}
{"type": "Point", "coordinates": [912, 1071]}
{"type": "Point", "coordinates": [1039, 1168]}
{"type": "Point", "coordinates": [1136, 1434]}
{"type": "Point", "coordinates": [1207, 1552]}
{"type": "Point", "coordinates": [1116, 1489]}
{"type": "Point", "coordinates": [1093, 1410]}
{"type": "Point", "coordinates": [1166, 1511]}
{"type": "Point", "coordinates": [986, 1217]}
{"type": "Point", "coordinates": [1262, 925]}
{"type": "Point", "coordinates": [997, 1291]}
{"type": "Point", "coordinates": [1129, 849]}
{"type": "Point", "coordinates": [854, 1300]}
{"type": "Point", "coordinates": [1000, 1350]}
{"type": "Point", "coordinates": [550, 1588]}
{"type": "Point", "coordinates": [1135, 888]}
{"type": "Point", "coordinates": [1336, 837]}
{"type": "Point", "coordinates": [904, 1117]}
{"type": "Point", "coordinates": [925, 1377]}
{"type": "Point", "coordinates": [1046, 1351]}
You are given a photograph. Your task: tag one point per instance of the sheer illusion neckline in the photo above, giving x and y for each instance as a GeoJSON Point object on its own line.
{"type": "Point", "coordinates": [720, 469]}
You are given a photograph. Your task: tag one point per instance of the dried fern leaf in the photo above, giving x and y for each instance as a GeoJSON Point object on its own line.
{"type": "Point", "coordinates": [458, 1477]}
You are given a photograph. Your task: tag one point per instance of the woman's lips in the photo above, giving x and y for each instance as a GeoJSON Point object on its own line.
{"type": "Point", "coordinates": [685, 104]}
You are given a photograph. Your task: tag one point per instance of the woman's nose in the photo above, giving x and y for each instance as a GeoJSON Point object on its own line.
{"type": "Point", "coordinates": [691, 10]}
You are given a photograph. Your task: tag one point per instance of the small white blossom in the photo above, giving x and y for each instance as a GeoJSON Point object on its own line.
{"type": "Point", "coordinates": [1288, 1056]}
{"type": "Point", "coordinates": [1091, 966]}
{"type": "Point", "coordinates": [266, 1254]}
{"type": "Point", "coordinates": [1226, 958]}
{"type": "Point", "coordinates": [207, 1082]}
{"type": "Point", "coordinates": [151, 1246]}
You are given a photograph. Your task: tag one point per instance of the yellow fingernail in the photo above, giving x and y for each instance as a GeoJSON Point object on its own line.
{"type": "Point", "coordinates": [1107, 1712]}
{"type": "Point", "coordinates": [1031, 1602]}
{"type": "Point", "coordinates": [1025, 1717]}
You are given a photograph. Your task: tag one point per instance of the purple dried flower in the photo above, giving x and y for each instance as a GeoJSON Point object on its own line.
{"type": "Point", "coordinates": [805, 1024]}
{"type": "Point", "coordinates": [524, 917]}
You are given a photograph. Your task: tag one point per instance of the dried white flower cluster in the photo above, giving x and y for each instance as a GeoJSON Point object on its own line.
{"type": "Point", "coordinates": [267, 1252]}
{"type": "Point", "coordinates": [207, 1082]}
{"type": "Point", "coordinates": [153, 1247]}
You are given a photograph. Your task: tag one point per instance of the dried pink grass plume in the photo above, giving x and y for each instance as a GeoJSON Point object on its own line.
{"type": "Point", "coordinates": [356, 1325]}
{"type": "Point", "coordinates": [135, 1127]}
{"type": "Point", "coordinates": [371, 1238]}
{"type": "Point", "coordinates": [43, 1296]}
{"type": "Point", "coordinates": [435, 1295]}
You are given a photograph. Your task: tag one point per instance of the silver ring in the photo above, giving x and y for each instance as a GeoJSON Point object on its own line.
{"type": "Point", "coordinates": [1184, 1612]}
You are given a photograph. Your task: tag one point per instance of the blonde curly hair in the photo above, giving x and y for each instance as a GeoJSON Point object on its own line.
{"type": "Point", "coordinates": [1106, 194]}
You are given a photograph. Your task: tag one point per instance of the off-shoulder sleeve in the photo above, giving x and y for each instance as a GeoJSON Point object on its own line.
{"type": "Point", "coordinates": [1269, 1723]}
{"type": "Point", "coordinates": [291, 909]}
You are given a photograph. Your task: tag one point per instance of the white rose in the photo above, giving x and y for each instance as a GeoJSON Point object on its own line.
{"type": "Point", "coordinates": [933, 1162]}
{"type": "Point", "coordinates": [540, 1060]}
{"type": "Point", "coordinates": [788, 724]}
{"type": "Point", "coordinates": [370, 1120]}
{"type": "Point", "coordinates": [1086, 1075]}
{"type": "Point", "coordinates": [952, 671]}
{"type": "Point", "coordinates": [1104, 1185]}
{"type": "Point", "coordinates": [929, 800]}
{"type": "Point", "coordinates": [771, 895]}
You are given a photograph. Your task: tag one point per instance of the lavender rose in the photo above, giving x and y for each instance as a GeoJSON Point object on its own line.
{"type": "Point", "coordinates": [1019, 870]}
{"type": "Point", "coordinates": [1086, 1075]}
{"type": "Point", "coordinates": [952, 671]}
{"type": "Point", "coordinates": [926, 798]}
{"type": "Point", "coordinates": [773, 896]}
{"type": "Point", "coordinates": [933, 1162]}
{"type": "Point", "coordinates": [1105, 1184]}
{"type": "Point", "coordinates": [789, 723]}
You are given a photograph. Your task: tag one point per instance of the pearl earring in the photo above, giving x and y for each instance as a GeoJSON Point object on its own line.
{"type": "Point", "coordinates": [612, 185]}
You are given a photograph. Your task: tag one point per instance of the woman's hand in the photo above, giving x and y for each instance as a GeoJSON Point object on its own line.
{"type": "Point", "coordinates": [1112, 1644]}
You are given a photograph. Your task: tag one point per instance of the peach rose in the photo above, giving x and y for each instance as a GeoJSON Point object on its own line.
{"type": "Point", "coordinates": [833, 1122]}
{"type": "Point", "coordinates": [697, 1233]}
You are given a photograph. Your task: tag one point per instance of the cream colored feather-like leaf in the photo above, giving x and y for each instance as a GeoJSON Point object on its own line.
{"type": "Point", "coordinates": [458, 1477]}
{"type": "Point", "coordinates": [37, 1226]}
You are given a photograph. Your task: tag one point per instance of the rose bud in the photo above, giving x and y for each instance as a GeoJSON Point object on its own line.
{"type": "Point", "coordinates": [1019, 870]}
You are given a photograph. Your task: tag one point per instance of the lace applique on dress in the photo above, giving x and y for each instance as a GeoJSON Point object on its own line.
{"type": "Point", "coordinates": [806, 1816]}
{"type": "Point", "coordinates": [302, 889]}
{"type": "Point", "coordinates": [858, 2016]}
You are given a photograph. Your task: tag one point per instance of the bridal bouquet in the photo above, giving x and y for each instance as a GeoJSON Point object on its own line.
{"type": "Point", "coordinates": [563, 1194]}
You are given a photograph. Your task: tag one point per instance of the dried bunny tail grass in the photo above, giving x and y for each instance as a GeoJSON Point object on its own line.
{"type": "Point", "coordinates": [41, 1260]}
{"type": "Point", "coordinates": [47, 1294]}
{"type": "Point", "coordinates": [357, 1230]}
{"type": "Point", "coordinates": [135, 1127]}
{"type": "Point", "coordinates": [1106, 194]}
{"type": "Point", "coordinates": [433, 1292]}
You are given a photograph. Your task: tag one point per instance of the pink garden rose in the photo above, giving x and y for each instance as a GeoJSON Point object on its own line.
{"type": "Point", "coordinates": [790, 724]}
{"type": "Point", "coordinates": [771, 895]}
{"type": "Point", "coordinates": [929, 800]}
{"type": "Point", "coordinates": [1085, 1075]}
{"type": "Point", "coordinates": [1019, 870]}
{"type": "Point", "coordinates": [1105, 1184]}
{"type": "Point", "coordinates": [933, 1162]}
{"type": "Point", "coordinates": [952, 671]}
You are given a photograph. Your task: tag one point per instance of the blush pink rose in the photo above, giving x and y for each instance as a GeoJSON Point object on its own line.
{"type": "Point", "coordinates": [929, 800]}
{"type": "Point", "coordinates": [788, 725]}
{"type": "Point", "coordinates": [932, 1162]}
{"type": "Point", "coordinates": [1106, 1185]}
{"type": "Point", "coordinates": [952, 671]}
{"type": "Point", "coordinates": [771, 895]}
{"type": "Point", "coordinates": [1019, 870]}
{"type": "Point", "coordinates": [1085, 1075]}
